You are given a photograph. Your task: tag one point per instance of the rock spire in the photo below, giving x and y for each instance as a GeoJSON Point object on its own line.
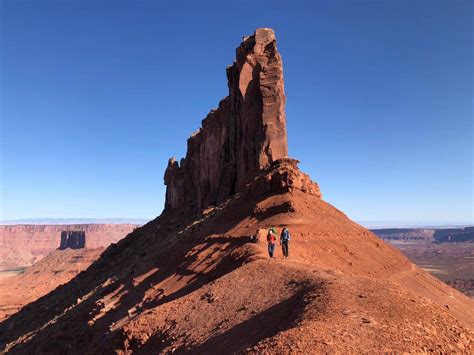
{"type": "Point", "coordinates": [244, 135]}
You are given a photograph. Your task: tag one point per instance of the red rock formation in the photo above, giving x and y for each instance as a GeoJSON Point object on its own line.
{"type": "Point", "coordinates": [281, 176]}
{"type": "Point", "coordinates": [23, 245]}
{"type": "Point", "coordinates": [193, 283]}
{"type": "Point", "coordinates": [245, 134]}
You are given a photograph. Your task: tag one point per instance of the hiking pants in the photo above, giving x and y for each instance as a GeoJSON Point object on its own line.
{"type": "Point", "coordinates": [271, 249]}
{"type": "Point", "coordinates": [284, 247]}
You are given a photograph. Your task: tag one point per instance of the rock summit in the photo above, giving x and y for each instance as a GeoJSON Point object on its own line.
{"type": "Point", "coordinates": [244, 135]}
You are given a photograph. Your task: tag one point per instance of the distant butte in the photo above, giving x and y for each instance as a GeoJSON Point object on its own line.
{"type": "Point", "coordinates": [73, 240]}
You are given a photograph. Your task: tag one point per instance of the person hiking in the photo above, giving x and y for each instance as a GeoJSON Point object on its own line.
{"type": "Point", "coordinates": [284, 241]}
{"type": "Point", "coordinates": [271, 239]}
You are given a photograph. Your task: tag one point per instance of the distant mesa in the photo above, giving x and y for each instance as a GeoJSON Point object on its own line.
{"type": "Point", "coordinates": [455, 235]}
{"type": "Point", "coordinates": [437, 235]}
{"type": "Point", "coordinates": [24, 245]}
{"type": "Point", "coordinates": [73, 240]}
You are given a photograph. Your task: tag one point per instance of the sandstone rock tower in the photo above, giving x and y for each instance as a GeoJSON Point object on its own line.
{"type": "Point", "coordinates": [245, 134]}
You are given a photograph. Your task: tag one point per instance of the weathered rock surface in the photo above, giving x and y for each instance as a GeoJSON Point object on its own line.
{"type": "Point", "coordinates": [245, 134]}
{"type": "Point", "coordinates": [281, 176]}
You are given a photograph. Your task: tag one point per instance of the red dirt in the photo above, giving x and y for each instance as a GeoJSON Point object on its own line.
{"type": "Point", "coordinates": [56, 269]}
{"type": "Point", "coordinates": [200, 285]}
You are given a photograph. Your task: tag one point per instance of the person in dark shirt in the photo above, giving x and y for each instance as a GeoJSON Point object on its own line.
{"type": "Point", "coordinates": [284, 241]}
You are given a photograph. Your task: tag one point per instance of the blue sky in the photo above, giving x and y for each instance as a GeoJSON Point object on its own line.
{"type": "Point", "coordinates": [97, 95]}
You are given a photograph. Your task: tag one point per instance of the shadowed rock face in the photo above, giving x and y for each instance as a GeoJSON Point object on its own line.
{"type": "Point", "coordinates": [245, 134]}
{"type": "Point", "coordinates": [73, 240]}
{"type": "Point", "coordinates": [455, 235]}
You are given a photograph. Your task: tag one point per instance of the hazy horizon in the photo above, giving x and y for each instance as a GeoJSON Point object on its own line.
{"type": "Point", "coordinates": [367, 224]}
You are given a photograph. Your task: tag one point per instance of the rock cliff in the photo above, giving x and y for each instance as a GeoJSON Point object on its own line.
{"type": "Point", "coordinates": [73, 240]}
{"type": "Point", "coordinates": [245, 134]}
{"type": "Point", "coordinates": [455, 235]}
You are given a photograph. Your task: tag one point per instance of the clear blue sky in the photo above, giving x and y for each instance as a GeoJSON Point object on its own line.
{"type": "Point", "coordinates": [97, 95]}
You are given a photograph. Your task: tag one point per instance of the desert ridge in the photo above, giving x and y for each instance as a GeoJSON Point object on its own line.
{"type": "Point", "coordinates": [195, 280]}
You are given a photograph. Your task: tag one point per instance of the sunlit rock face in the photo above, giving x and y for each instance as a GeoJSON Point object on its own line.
{"type": "Point", "coordinates": [245, 134]}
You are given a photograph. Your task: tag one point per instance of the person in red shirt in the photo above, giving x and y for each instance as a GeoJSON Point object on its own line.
{"type": "Point", "coordinates": [271, 239]}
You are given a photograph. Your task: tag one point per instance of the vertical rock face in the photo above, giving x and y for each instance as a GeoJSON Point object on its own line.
{"type": "Point", "coordinates": [245, 134]}
{"type": "Point", "coordinates": [73, 240]}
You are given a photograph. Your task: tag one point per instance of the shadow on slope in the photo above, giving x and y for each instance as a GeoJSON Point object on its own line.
{"type": "Point", "coordinates": [178, 255]}
{"type": "Point", "coordinates": [266, 324]}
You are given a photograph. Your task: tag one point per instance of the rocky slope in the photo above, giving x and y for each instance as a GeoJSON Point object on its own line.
{"type": "Point", "coordinates": [55, 269]}
{"type": "Point", "coordinates": [194, 281]}
{"type": "Point", "coordinates": [23, 245]}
